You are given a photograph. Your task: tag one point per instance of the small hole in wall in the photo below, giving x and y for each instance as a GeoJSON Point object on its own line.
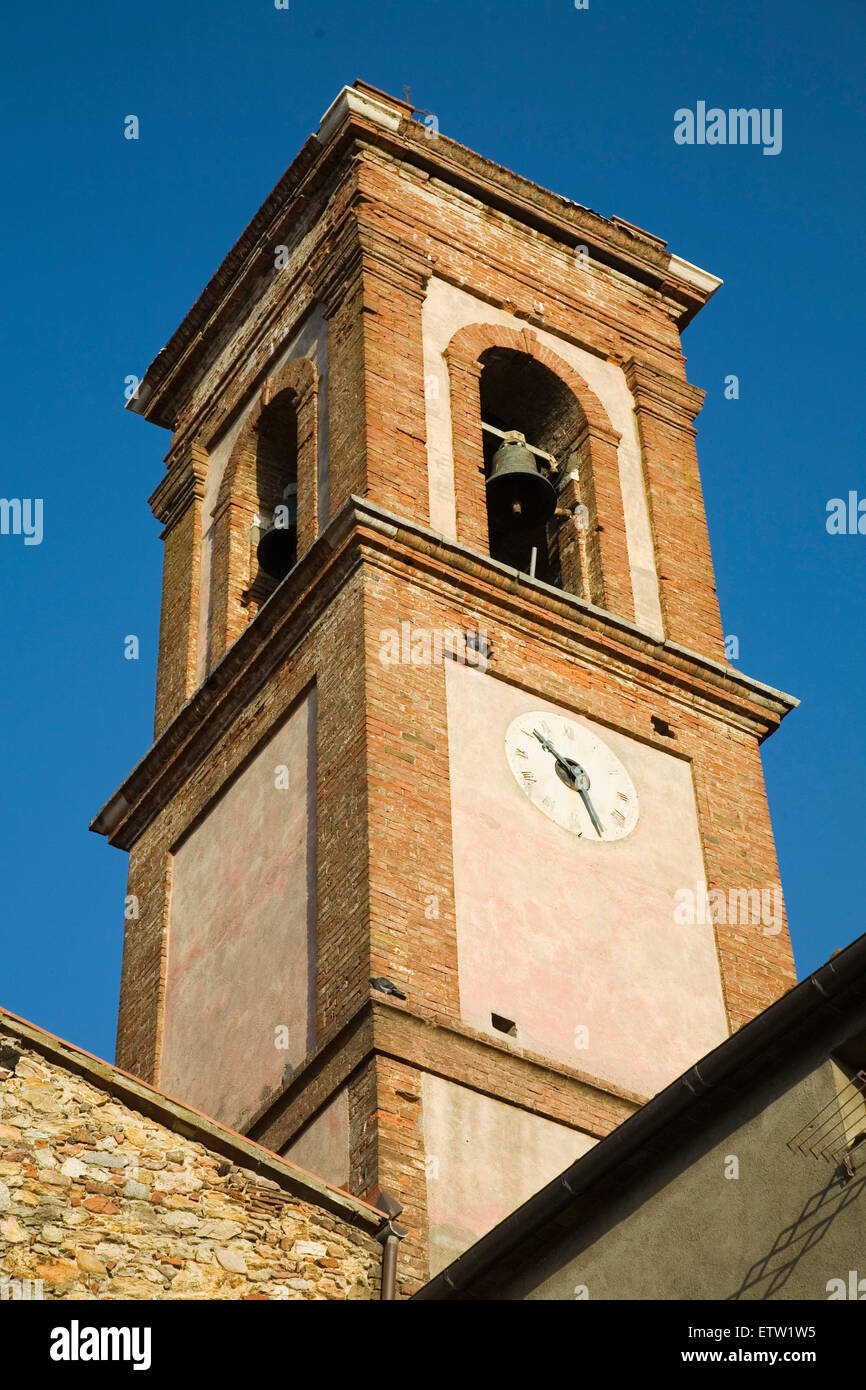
{"type": "Point", "coordinates": [661, 726]}
{"type": "Point", "coordinates": [504, 1025]}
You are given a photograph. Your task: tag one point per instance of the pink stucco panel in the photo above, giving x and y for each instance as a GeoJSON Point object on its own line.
{"type": "Point", "coordinates": [323, 1148]}
{"type": "Point", "coordinates": [562, 934]}
{"type": "Point", "coordinates": [484, 1158]}
{"type": "Point", "coordinates": [241, 944]}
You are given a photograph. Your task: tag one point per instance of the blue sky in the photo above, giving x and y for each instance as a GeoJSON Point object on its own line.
{"type": "Point", "coordinates": [108, 241]}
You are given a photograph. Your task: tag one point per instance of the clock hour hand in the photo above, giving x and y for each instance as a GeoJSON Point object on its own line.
{"type": "Point", "coordinates": [577, 779]}
{"type": "Point", "coordinates": [549, 748]}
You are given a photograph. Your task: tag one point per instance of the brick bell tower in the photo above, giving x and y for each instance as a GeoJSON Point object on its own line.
{"type": "Point", "coordinates": [442, 696]}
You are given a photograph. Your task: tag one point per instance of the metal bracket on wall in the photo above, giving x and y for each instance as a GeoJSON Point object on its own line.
{"type": "Point", "coordinates": [838, 1129]}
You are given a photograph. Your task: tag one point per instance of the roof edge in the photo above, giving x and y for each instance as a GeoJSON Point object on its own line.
{"type": "Point", "coordinates": [713, 1072]}
{"type": "Point", "coordinates": [190, 1123]}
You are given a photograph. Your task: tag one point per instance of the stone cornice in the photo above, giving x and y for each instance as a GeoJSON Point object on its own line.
{"type": "Point", "coordinates": [356, 535]}
{"type": "Point", "coordinates": [585, 631]}
{"type": "Point", "coordinates": [184, 482]}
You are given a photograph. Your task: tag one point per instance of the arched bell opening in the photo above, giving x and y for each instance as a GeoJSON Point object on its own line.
{"type": "Point", "coordinates": [525, 407]}
{"type": "Point", "coordinates": [275, 535]}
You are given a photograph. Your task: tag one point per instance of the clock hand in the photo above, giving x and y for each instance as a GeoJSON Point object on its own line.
{"type": "Point", "coordinates": [599, 828]}
{"type": "Point", "coordinates": [549, 748]}
{"type": "Point", "coordinates": [577, 778]}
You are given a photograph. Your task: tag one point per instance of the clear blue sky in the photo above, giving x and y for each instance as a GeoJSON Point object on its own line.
{"type": "Point", "coordinates": [108, 241]}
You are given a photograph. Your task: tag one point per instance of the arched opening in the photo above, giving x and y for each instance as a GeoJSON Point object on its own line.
{"type": "Point", "coordinates": [268, 488]}
{"type": "Point", "coordinates": [274, 535]}
{"type": "Point", "coordinates": [520, 393]}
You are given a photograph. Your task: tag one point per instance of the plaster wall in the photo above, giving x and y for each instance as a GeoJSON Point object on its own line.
{"type": "Point", "coordinates": [241, 941]}
{"type": "Point", "coordinates": [484, 1158]}
{"type": "Point", "coordinates": [446, 310]}
{"type": "Point", "coordinates": [563, 934]}
{"type": "Point", "coordinates": [741, 1217]}
{"type": "Point", "coordinates": [323, 1148]}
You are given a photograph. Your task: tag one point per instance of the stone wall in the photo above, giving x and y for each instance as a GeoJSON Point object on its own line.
{"type": "Point", "coordinates": [101, 1200]}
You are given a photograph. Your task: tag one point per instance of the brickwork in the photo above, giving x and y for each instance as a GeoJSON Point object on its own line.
{"type": "Point", "coordinates": [666, 409]}
{"type": "Point", "coordinates": [177, 503]}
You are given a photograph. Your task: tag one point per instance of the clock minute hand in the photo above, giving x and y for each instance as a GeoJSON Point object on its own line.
{"type": "Point", "coordinates": [578, 779]}
{"type": "Point", "coordinates": [599, 828]}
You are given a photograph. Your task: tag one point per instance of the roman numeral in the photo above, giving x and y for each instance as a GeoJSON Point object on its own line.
{"type": "Point", "coordinates": [618, 817]}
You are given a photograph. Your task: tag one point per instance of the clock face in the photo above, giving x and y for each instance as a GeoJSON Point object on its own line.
{"type": "Point", "coordinates": [571, 776]}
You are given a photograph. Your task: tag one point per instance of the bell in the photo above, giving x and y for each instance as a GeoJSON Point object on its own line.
{"type": "Point", "coordinates": [277, 551]}
{"type": "Point", "coordinates": [518, 496]}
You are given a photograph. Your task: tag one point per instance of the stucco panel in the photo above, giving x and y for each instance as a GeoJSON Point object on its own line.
{"type": "Point", "coordinates": [241, 941]}
{"type": "Point", "coordinates": [561, 934]}
{"type": "Point", "coordinates": [484, 1159]}
{"type": "Point", "coordinates": [323, 1148]}
{"type": "Point", "coordinates": [740, 1216]}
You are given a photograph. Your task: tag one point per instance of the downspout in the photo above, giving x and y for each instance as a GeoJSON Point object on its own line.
{"type": "Point", "coordinates": [390, 1235]}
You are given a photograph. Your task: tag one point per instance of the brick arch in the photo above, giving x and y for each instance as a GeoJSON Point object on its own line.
{"type": "Point", "coordinates": [233, 573]}
{"type": "Point", "coordinates": [602, 574]}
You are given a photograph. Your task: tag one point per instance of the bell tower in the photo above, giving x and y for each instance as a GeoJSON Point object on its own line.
{"type": "Point", "coordinates": [452, 846]}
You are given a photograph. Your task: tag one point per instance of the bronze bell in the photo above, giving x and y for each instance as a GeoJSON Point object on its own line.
{"type": "Point", "coordinates": [518, 496]}
{"type": "Point", "coordinates": [277, 550]}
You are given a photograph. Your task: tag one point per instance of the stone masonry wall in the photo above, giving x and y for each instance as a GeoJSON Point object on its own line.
{"type": "Point", "coordinates": [100, 1201]}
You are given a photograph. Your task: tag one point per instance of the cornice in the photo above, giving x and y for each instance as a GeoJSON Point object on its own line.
{"type": "Point", "coordinates": [356, 535]}
{"type": "Point", "coordinates": [357, 116]}
{"type": "Point", "coordinates": [184, 482]}
{"type": "Point", "coordinates": [659, 393]}
{"type": "Point", "coordinates": [404, 1034]}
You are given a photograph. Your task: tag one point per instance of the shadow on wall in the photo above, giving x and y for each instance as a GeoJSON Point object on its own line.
{"type": "Point", "coordinates": [820, 1211]}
